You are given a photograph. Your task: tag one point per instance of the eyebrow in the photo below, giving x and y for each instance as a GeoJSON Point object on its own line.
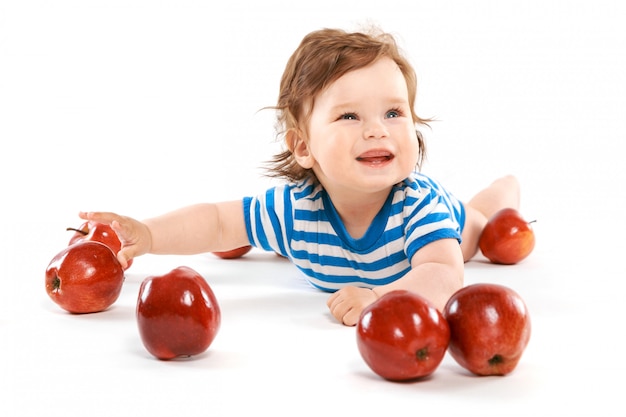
{"type": "Point", "coordinates": [395, 101]}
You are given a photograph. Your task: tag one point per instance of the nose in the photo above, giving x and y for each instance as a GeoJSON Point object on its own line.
{"type": "Point", "coordinates": [375, 129]}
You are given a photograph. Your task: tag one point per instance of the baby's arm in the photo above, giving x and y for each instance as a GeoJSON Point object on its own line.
{"type": "Point", "coordinates": [436, 273]}
{"type": "Point", "coordinates": [194, 229]}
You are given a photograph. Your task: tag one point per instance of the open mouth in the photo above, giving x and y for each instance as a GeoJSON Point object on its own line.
{"type": "Point", "coordinates": [375, 157]}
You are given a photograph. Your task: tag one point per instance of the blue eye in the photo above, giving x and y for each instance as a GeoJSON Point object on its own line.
{"type": "Point", "coordinates": [348, 116]}
{"type": "Point", "coordinates": [393, 114]}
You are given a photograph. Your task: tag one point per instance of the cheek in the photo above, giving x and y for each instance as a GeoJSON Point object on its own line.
{"type": "Point", "coordinates": [411, 148]}
{"type": "Point", "coordinates": [324, 146]}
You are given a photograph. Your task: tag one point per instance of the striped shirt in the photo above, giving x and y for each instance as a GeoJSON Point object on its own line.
{"type": "Point", "coordinates": [300, 222]}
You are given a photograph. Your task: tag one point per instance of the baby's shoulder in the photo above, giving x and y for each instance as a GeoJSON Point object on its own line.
{"type": "Point", "coordinates": [306, 195]}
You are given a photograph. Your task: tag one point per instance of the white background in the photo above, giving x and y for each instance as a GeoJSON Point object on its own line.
{"type": "Point", "coordinates": [141, 107]}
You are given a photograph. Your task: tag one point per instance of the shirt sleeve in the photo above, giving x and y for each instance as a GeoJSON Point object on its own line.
{"type": "Point", "coordinates": [266, 217]}
{"type": "Point", "coordinates": [428, 218]}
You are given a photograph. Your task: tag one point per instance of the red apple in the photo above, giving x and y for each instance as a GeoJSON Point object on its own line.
{"type": "Point", "coordinates": [489, 328]}
{"type": "Point", "coordinates": [401, 336]}
{"type": "Point", "coordinates": [177, 314]}
{"type": "Point", "coordinates": [97, 232]}
{"type": "Point", "coordinates": [233, 253]}
{"type": "Point", "coordinates": [507, 238]}
{"type": "Point", "coordinates": [84, 277]}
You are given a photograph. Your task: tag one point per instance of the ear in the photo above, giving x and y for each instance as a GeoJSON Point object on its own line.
{"type": "Point", "coordinates": [299, 148]}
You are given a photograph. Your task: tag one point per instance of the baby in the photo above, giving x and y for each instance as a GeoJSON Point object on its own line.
{"type": "Point", "coordinates": [354, 214]}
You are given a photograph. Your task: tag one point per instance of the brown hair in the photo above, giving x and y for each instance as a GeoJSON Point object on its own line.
{"type": "Point", "coordinates": [322, 57]}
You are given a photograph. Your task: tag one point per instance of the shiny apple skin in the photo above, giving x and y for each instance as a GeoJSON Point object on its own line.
{"type": "Point", "coordinates": [507, 238]}
{"type": "Point", "coordinates": [490, 328]}
{"type": "Point", "coordinates": [233, 253]}
{"type": "Point", "coordinates": [84, 277]}
{"type": "Point", "coordinates": [401, 336]}
{"type": "Point", "coordinates": [98, 232]}
{"type": "Point", "coordinates": [177, 314]}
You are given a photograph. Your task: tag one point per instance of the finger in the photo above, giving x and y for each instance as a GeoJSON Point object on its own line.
{"type": "Point", "coordinates": [98, 216]}
{"type": "Point", "coordinates": [123, 260]}
{"type": "Point", "coordinates": [126, 254]}
{"type": "Point", "coordinates": [339, 308]}
{"type": "Point", "coordinates": [117, 228]}
{"type": "Point", "coordinates": [332, 298]}
{"type": "Point", "coordinates": [351, 317]}
{"type": "Point", "coordinates": [346, 314]}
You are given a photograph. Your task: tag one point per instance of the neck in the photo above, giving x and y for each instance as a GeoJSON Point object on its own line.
{"type": "Point", "coordinates": [358, 212]}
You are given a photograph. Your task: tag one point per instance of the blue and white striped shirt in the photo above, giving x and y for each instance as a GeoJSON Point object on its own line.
{"type": "Point", "coordinates": [300, 222]}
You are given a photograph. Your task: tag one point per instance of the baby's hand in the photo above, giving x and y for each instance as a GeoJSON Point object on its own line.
{"type": "Point", "coordinates": [347, 303]}
{"type": "Point", "coordinates": [134, 235]}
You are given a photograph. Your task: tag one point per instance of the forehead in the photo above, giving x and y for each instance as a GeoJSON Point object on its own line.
{"type": "Point", "coordinates": [381, 78]}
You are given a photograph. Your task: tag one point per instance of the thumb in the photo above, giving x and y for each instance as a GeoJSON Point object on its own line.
{"type": "Point", "coordinates": [125, 256]}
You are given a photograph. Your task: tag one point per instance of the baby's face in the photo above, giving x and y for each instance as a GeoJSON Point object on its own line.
{"type": "Point", "coordinates": [361, 134]}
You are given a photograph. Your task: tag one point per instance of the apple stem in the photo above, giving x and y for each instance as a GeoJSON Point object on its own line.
{"type": "Point", "coordinates": [77, 230]}
{"type": "Point", "coordinates": [532, 221]}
